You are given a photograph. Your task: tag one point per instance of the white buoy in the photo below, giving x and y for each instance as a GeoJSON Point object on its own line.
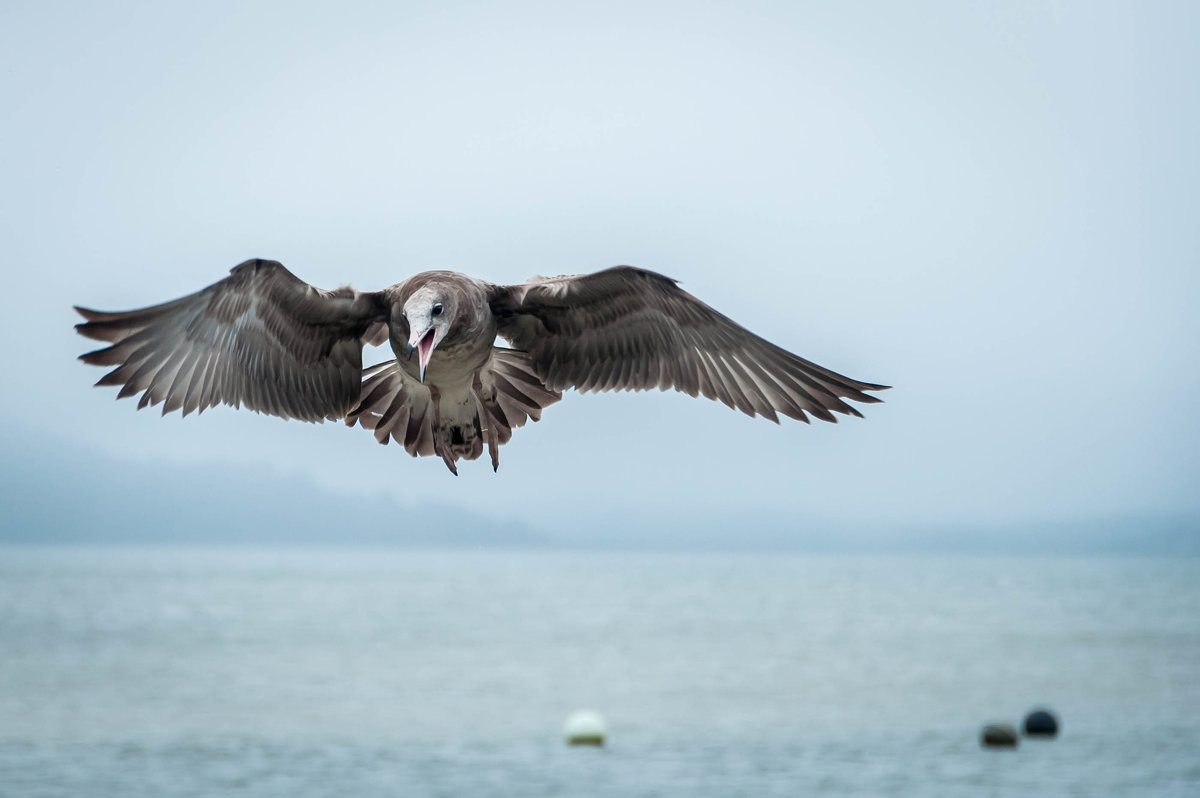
{"type": "Point", "coordinates": [585, 728]}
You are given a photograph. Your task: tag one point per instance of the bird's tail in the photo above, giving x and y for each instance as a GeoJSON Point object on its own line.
{"type": "Point", "coordinates": [516, 394]}
{"type": "Point", "coordinates": [505, 394]}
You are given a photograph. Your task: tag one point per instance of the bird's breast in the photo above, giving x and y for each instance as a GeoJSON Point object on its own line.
{"type": "Point", "coordinates": [453, 363]}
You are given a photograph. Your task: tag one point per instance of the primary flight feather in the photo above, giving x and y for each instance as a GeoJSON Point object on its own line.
{"type": "Point", "coordinates": [265, 339]}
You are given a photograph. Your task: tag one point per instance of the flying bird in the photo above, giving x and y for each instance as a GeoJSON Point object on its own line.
{"type": "Point", "coordinates": [265, 339]}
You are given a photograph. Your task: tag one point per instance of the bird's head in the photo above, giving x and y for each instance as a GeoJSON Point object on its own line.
{"type": "Point", "coordinates": [429, 313]}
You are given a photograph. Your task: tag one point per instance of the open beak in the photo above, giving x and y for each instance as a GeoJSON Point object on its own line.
{"type": "Point", "coordinates": [424, 347]}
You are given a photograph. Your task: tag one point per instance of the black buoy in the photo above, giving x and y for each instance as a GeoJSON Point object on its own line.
{"type": "Point", "coordinates": [999, 735]}
{"type": "Point", "coordinates": [1041, 723]}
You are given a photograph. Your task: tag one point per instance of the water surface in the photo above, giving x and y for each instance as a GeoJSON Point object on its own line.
{"type": "Point", "coordinates": [178, 672]}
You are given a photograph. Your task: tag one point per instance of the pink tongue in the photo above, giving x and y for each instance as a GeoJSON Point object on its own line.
{"type": "Point", "coordinates": [425, 345]}
{"type": "Point", "coordinates": [425, 348]}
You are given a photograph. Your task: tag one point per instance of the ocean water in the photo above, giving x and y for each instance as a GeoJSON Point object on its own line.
{"type": "Point", "coordinates": [307, 672]}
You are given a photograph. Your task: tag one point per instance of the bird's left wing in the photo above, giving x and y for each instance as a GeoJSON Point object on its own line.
{"type": "Point", "coordinates": [630, 329]}
{"type": "Point", "coordinates": [261, 337]}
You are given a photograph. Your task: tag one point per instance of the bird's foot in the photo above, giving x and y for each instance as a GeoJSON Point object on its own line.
{"type": "Point", "coordinates": [489, 424]}
{"type": "Point", "coordinates": [439, 438]}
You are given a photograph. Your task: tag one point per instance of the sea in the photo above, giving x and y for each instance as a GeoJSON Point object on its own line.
{"type": "Point", "coordinates": [171, 672]}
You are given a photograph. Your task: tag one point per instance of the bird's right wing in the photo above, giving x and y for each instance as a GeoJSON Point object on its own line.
{"type": "Point", "coordinates": [261, 337]}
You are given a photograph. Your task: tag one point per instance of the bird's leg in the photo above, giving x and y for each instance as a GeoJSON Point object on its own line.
{"type": "Point", "coordinates": [439, 445]}
{"type": "Point", "coordinates": [493, 442]}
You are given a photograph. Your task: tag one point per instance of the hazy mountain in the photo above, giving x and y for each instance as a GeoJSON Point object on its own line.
{"type": "Point", "coordinates": [53, 491]}
{"type": "Point", "coordinates": [741, 530]}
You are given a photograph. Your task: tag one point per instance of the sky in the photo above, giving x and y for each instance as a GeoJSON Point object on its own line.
{"type": "Point", "coordinates": [990, 207]}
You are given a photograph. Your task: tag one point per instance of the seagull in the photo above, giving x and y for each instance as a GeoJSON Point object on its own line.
{"type": "Point", "coordinates": [265, 339]}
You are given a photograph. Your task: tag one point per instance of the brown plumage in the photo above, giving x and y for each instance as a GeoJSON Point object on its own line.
{"type": "Point", "coordinates": [265, 339]}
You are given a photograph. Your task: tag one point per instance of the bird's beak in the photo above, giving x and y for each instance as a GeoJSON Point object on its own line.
{"type": "Point", "coordinates": [424, 346]}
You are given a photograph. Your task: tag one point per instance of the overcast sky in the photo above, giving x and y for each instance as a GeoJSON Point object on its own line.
{"type": "Point", "coordinates": [992, 207]}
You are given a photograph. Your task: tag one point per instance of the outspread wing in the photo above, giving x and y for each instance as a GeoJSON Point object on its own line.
{"type": "Point", "coordinates": [261, 337]}
{"type": "Point", "coordinates": [631, 329]}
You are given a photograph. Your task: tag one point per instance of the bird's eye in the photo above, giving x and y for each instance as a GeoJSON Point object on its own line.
{"type": "Point", "coordinates": [437, 309]}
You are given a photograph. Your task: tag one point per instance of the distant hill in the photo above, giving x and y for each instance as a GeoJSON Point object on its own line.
{"type": "Point", "coordinates": [51, 493]}
{"type": "Point", "coordinates": [739, 530]}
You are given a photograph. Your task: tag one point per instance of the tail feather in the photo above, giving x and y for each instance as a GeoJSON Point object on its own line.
{"type": "Point", "coordinates": [396, 407]}
{"type": "Point", "coordinates": [520, 393]}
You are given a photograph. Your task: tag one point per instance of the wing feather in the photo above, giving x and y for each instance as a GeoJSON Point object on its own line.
{"type": "Point", "coordinates": [261, 337]}
{"type": "Point", "coordinates": [631, 329]}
